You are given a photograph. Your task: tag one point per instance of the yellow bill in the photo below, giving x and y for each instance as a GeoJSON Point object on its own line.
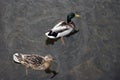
{"type": "Point", "coordinates": [77, 15]}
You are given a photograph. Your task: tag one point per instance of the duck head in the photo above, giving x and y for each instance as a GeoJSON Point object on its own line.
{"type": "Point", "coordinates": [48, 58]}
{"type": "Point", "coordinates": [70, 16]}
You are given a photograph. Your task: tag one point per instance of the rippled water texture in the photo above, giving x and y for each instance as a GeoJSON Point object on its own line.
{"type": "Point", "coordinates": [92, 53]}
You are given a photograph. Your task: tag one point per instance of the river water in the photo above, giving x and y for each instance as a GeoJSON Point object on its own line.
{"type": "Point", "coordinates": [92, 53]}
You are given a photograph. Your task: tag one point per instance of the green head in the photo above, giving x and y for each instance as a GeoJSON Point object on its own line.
{"type": "Point", "coordinates": [70, 16]}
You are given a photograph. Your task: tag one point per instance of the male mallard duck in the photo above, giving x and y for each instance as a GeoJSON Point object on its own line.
{"type": "Point", "coordinates": [62, 28]}
{"type": "Point", "coordinates": [34, 61]}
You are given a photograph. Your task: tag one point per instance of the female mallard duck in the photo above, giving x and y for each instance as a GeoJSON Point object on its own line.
{"type": "Point", "coordinates": [34, 61]}
{"type": "Point", "coordinates": [62, 28]}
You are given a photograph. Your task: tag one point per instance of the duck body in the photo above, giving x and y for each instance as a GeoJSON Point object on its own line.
{"type": "Point", "coordinates": [61, 29]}
{"type": "Point", "coordinates": [34, 61]}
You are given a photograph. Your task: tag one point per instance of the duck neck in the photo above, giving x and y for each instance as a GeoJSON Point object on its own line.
{"type": "Point", "coordinates": [47, 64]}
{"type": "Point", "coordinates": [68, 19]}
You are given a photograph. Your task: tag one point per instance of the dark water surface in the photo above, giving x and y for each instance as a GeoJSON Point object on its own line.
{"type": "Point", "coordinates": [92, 53]}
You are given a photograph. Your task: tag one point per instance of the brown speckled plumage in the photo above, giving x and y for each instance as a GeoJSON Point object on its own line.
{"type": "Point", "coordinates": [33, 61]}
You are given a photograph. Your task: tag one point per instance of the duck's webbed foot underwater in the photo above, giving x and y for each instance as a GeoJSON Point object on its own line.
{"type": "Point", "coordinates": [62, 40]}
{"type": "Point", "coordinates": [48, 71]}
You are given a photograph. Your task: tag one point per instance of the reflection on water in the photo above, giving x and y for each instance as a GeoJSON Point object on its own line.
{"type": "Point", "coordinates": [48, 71]}
{"type": "Point", "coordinates": [50, 41]}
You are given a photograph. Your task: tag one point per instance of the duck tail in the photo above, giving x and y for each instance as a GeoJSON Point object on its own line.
{"type": "Point", "coordinates": [51, 34]}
